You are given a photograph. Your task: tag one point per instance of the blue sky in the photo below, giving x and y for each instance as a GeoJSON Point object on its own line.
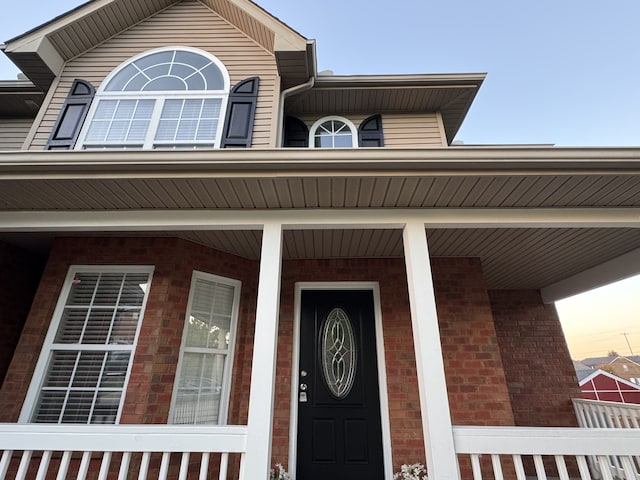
{"type": "Point", "coordinates": [563, 72]}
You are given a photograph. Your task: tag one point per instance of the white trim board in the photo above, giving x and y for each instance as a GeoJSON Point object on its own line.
{"type": "Point", "coordinates": [382, 371]}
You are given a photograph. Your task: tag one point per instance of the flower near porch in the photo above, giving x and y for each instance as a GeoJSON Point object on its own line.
{"type": "Point", "coordinates": [278, 473]}
{"type": "Point", "coordinates": [415, 471]}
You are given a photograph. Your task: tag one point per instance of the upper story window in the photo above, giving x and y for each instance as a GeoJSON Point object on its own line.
{"type": "Point", "coordinates": [333, 132]}
{"type": "Point", "coordinates": [164, 99]}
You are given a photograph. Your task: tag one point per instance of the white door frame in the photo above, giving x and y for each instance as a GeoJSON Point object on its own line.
{"type": "Point", "coordinates": [382, 372]}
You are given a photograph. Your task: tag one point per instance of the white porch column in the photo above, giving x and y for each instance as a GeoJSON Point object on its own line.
{"type": "Point", "coordinates": [256, 462]}
{"type": "Point", "coordinates": [434, 403]}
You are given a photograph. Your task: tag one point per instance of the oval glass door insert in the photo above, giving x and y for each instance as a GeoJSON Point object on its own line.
{"type": "Point", "coordinates": [338, 353]}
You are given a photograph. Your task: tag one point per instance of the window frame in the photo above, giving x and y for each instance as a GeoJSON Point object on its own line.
{"type": "Point", "coordinates": [225, 394]}
{"type": "Point", "coordinates": [47, 349]}
{"type": "Point", "coordinates": [346, 121]}
{"type": "Point", "coordinates": [159, 98]}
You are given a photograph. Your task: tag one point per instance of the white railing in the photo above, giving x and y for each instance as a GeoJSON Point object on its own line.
{"type": "Point", "coordinates": [147, 451]}
{"type": "Point", "coordinates": [542, 453]}
{"type": "Point", "coordinates": [597, 414]}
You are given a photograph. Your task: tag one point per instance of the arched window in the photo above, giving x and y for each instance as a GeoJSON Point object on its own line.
{"type": "Point", "coordinates": [333, 132]}
{"type": "Point", "coordinates": [170, 98]}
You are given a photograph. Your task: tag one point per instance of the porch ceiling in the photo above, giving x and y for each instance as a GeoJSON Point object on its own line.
{"type": "Point", "coordinates": [451, 180]}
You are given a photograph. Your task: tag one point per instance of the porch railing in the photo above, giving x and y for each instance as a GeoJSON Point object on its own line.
{"type": "Point", "coordinates": [147, 451]}
{"type": "Point", "coordinates": [597, 414]}
{"type": "Point", "coordinates": [564, 453]}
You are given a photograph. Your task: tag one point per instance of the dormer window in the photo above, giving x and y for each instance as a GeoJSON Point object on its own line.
{"type": "Point", "coordinates": [333, 132]}
{"type": "Point", "coordinates": [163, 99]}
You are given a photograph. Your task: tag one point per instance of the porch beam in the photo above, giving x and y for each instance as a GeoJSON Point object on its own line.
{"type": "Point", "coordinates": [619, 268]}
{"type": "Point", "coordinates": [157, 220]}
{"type": "Point", "coordinates": [442, 462]}
{"type": "Point", "coordinates": [255, 464]}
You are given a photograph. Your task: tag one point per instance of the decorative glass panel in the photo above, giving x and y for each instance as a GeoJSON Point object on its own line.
{"type": "Point", "coordinates": [338, 353]}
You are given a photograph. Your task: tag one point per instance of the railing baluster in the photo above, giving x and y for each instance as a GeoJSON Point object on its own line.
{"type": "Point", "coordinates": [104, 466]}
{"type": "Point", "coordinates": [204, 466]}
{"type": "Point", "coordinates": [583, 468]}
{"type": "Point", "coordinates": [84, 466]}
{"type": "Point", "coordinates": [224, 465]}
{"type": "Point", "coordinates": [44, 465]}
{"type": "Point", "coordinates": [184, 466]}
{"type": "Point", "coordinates": [517, 463]}
{"type": "Point", "coordinates": [605, 467]}
{"type": "Point", "coordinates": [4, 462]}
{"type": "Point", "coordinates": [562, 467]}
{"type": "Point", "coordinates": [475, 467]}
{"type": "Point", "coordinates": [144, 466]}
{"type": "Point", "coordinates": [24, 465]}
{"type": "Point", "coordinates": [64, 465]}
{"type": "Point", "coordinates": [627, 468]}
{"type": "Point", "coordinates": [164, 466]}
{"type": "Point", "coordinates": [497, 467]}
{"type": "Point", "coordinates": [539, 464]}
{"type": "Point", "coordinates": [124, 465]}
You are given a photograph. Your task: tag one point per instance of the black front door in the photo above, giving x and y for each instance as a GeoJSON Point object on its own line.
{"type": "Point", "coordinates": [339, 426]}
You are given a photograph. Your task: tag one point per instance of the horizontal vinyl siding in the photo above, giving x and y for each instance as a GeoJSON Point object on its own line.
{"type": "Point", "coordinates": [412, 130]}
{"type": "Point", "coordinates": [13, 133]}
{"type": "Point", "coordinates": [400, 130]}
{"type": "Point", "coordinates": [188, 23]}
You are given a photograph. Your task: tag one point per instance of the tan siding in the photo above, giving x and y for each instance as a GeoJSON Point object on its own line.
{"type": "Point", "coordinates": [188, 23]}
{"type": "Point", "coordinates": [412, 130]}
{"type": "Point", "coordinates": [400, 130]}
{"type": "Point", "coordinates": [13, 133]}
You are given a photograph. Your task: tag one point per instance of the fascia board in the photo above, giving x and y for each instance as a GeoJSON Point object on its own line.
{"type": "Point", "coordinates": [358, 161]}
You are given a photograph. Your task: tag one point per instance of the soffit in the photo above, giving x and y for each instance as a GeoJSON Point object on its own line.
{"type": "Point", "coordinates": [19, 99]}
{"type": "Point", "coordinates": [453, 178]}
{"type": "Point", "coordinates": [94, 22]}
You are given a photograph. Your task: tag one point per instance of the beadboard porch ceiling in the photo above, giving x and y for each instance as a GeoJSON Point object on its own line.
{"type": "Point", "coordinates": [448, 180]}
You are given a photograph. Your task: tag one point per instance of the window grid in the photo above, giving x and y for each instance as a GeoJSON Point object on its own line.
{"type": "Point", "coordinates": [333, 132]}
{"type": "Point", "coordinates": [165, 80]}
{"type": "Point", "coordinates": [84, 365]}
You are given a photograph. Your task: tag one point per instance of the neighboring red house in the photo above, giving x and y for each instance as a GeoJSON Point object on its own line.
{"type": "Point", "coordinates": [604, 386]}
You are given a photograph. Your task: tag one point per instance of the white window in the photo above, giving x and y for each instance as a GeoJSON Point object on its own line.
{"type": "Point", "coordinates": [333, 132]}
{"type": "Point", "coordinates": [203, 381]}
{"type": "Point", "coordinates": [85, 362]}
{"type": "Point", "coordinates": [164, 99]}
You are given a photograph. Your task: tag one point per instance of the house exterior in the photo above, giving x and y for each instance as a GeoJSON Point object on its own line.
{"type": "Point", "coordinates": [200, 231]}
{"type": "Point", "coordinates": [627, 367]}
{"type": "Point", "coordinates": [604, 386]}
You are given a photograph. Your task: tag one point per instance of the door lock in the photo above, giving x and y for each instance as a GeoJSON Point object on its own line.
{"type": "Point", "coordinates": [303, 387]}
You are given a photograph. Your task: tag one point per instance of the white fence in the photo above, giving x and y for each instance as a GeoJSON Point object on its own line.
{"type": "Point", "coordinates": [596, 414]}
{"type": "Point", "coordinates": [146, 451]}
{"type": "Point", "coordinates": [542, 453]}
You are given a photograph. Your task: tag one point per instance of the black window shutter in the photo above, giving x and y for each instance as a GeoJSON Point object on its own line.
{"type": "Point", "coordinates": [72, 115]}
{"type": "Point", "coordinates": [241, 111]}
{"type": "Point", "coordinates": [296, 133]}
{"type": "Point", "coordinates": [370, 132]}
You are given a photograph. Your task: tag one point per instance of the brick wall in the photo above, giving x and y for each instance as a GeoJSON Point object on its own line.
{"type": "Point", "coordinates": [20, 272]}
{"type": "Point", "coordinates": [475, 375]}
{"type": "Point", "coordinates": [151, 382]}
{"type": "Point", "coordinates": [536, 359]}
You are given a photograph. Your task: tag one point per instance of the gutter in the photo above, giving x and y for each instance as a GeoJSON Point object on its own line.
{"type": "Point", "coordinates": [292, 162]}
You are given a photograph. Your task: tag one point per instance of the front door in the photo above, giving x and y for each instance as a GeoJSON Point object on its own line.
{"type": "Point", "coordinates": [339, 424]}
